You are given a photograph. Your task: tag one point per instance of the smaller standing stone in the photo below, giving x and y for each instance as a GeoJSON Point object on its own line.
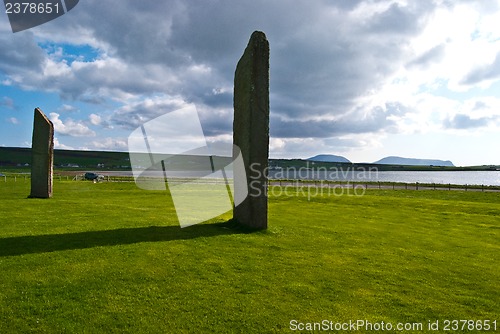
{"type": "Point", "coordinates": [42, 156]}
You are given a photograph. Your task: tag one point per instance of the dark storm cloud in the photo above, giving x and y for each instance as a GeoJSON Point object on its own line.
{"type": "Point", "coordinates": [323, 58]}
{"type": "Point", "coordinates": [398, 20]}
{"type": "Point", "coordinates": [327, 66]}
{"type": "Point", "coordinates": [353, 123]}
{"type": "Point", "coordinates": [20, 53]}
{"type": "Point", "coordinates": [319, 56]}
{"type": "Point", "coordinates": [216, 122]}
{"type": "Point", "coordinates": [137, 31]}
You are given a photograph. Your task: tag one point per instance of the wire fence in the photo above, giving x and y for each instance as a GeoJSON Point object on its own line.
{"type": "Point", "coordinates": [384, 185]}
{"type": "Point", "coordinates": [278, 183]}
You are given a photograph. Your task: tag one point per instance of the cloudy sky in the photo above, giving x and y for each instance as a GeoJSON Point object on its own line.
{"type": "Point", "coordinates": [362, 79]}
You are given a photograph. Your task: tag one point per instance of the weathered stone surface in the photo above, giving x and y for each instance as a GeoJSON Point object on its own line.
{"type": "Point", "coordinates": [42, 153]}
{"type": "Point", "coordinates": [251, 128]}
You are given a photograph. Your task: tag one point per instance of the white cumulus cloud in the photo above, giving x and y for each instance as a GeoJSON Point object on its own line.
{"type": "Point", "coordinates": [69, 127]}
{"type": "Point", "coordinates": [13, 120]}
{"type": "Point", "coordinates": [95, 119]}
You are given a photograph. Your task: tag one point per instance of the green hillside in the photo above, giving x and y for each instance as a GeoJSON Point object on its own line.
{"type": "Point", "coordinates": [21, 157]}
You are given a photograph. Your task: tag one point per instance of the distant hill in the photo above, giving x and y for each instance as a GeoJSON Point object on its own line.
{"type": "Point", "coordinates": [329, 158]}
{"type": "Point", "coordinates": [413, 162]}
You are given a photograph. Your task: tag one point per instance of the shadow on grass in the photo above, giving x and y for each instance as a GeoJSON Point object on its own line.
{"type": "Point", "coordinates": [13, 246]}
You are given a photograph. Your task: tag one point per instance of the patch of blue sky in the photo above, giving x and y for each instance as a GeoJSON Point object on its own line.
{"type": "Point", "coordinates": [71, 52]}
{"type": "Point", "coordinates": [16, 117]}
{"type": "Point", "coordinates": [26, 100]}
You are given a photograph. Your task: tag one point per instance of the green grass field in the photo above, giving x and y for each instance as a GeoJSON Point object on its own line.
{"type": "Point", "coordinates": [111, 258]}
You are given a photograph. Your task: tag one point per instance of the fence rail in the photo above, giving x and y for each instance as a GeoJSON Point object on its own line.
{"type": "Point", "coordinates": [284, 183]}
{"type": "Point", "coordinates": [384, 185]}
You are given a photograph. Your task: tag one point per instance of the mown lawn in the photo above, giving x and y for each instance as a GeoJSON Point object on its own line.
{"type": "Point", "coordinates": [111, 258]}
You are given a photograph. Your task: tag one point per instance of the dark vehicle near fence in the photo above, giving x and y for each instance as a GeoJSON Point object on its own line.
{"type": "Point", "coordinates": [93, 177]}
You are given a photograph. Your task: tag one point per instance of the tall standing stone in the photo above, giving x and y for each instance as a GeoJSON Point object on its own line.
{"type": "Point", "coordinates": [42, 156]}
{"type": "Point", "coordinates": [251, 129]}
